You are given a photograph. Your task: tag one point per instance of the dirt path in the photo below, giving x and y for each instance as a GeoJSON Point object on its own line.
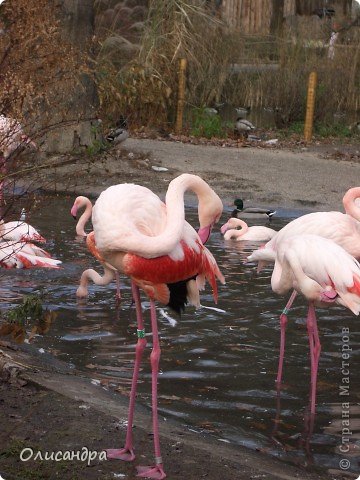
{"type": "Point", "coordinates": [275, 178]}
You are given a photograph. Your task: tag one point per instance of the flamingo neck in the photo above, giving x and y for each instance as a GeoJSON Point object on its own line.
{"type": "Point", "coordinates": [351, 208]}
{"type": "Point", "coordinates": [209, 210]}
{"type": "Point", "coordinates": [237, 222]}
{"type": "Point", "coordinates": [301, 282]}
{"type": "Point", "coordinates": [230, 231]}
{"type": "Point", "coordinates": [92, 275]}
{"type": "Point", "coordinates": [85, 217]}
{"type": "Point", "coordinates": [209, 204]}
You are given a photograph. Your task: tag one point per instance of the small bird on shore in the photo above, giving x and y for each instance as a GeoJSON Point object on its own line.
{"type": "Point", "coordinates": [243, 127]}
{"type": "Point", "coordinates": [117, 136]}
{"type": "Point", "coordinates": [242, 111]}
{"type": "Point", "coordinates": [210, 111]}
{"type": "Point", "coordinates": [251, 212]}
{"type": "Point", "coordinates": [119, 133]}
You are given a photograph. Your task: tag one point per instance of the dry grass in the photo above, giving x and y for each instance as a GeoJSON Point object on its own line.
{"type": "Point", "coordinates": [145, 87]}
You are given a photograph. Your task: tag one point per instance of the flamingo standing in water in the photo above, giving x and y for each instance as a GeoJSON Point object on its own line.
{"type": "Point", "coordinates": [324, 273]}
{"type": "Point", "coordinates": [109, 271]}
{"type": "Point", "coordinates": [255, 233]}
{"type": "Point", "coordinates": [341, 228]}
{"type": "Point", "coordinates": [150, 241]}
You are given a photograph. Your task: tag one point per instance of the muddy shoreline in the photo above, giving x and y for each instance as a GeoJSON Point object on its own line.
{"type": "Point", "coordinates": [307, 179]}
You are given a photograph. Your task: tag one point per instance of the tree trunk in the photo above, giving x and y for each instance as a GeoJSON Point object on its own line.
{"type": "Point", "coordinates": [73, 121]}
{"type": "Point", "coordinates": [277, 16]}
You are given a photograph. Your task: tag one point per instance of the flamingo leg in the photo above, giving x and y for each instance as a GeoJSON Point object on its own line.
{"type": "Point", "coordinates": [127, 453]}
{"type": "Point", "coordinates": [315, 349]}
{"type": "Point", "coordinates": [283, 322]}
{"type": "Point", "coordinates": [156, 471]}
{"type": "Point", "coordinates": [118, 292]}
{"type": "Point", "coordinates": [305, 439]}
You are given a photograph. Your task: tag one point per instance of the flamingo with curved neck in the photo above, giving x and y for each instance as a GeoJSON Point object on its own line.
{"type": "Point", "coordinates": [81, 202]}
{"type": "Point", "coordinates": [350, 206]}
{"type": "Point", "coordinates": [255, 233]}
{"type": "Point", "coordinates": [90, 274]}
{"type": "Point", "coordinates": [132, 234]}
{"type": "Point", "coordinates": [151, 242]}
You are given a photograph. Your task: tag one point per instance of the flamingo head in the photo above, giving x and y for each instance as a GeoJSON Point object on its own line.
{"type": "Point", "coordinates": [27, 141]}
{"type": "Point", "coordinates": [328, 294]}
{"type": "Point", "coordinates": [205, 231]}
{"type": "Point", "coordinates": [74, 209]}
{"type": "Point", "coordinates": [231, 223]}
{"type": "Point", "coordinates": [79, 202]}
{"type": "Point", "coordinates": [224, 228]}
{"type": "Point", "coordinates": [34, 237]}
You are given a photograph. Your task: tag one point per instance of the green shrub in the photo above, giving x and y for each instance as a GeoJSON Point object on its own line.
{"type": "Point", "coordinates": [205, 125]}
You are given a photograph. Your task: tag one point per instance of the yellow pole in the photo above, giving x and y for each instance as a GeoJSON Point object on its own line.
{"type": "Point", "coordinates": [310, 104]}
{"type": "Point", "coordinates": [181, 97]}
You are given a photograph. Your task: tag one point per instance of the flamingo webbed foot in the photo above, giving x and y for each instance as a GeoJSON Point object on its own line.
{"type": "Point", "coordinates": [125, 454]}
{"type": "Point", "coordinates": [156, 472]}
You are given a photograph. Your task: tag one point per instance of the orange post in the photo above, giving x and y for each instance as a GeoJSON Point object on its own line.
{"type": "Point", "coordinates": [310, 105]}
{"type": "Point", "coordinates": [181, 97]}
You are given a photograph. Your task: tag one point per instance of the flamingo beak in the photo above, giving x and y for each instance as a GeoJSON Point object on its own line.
{"type": "Point", "coordinates": [204, 233]}
{"type": "Point", "coordinates": [328, 296]}
{"type": "Point", "coordinates": [224, 228]}
{"type": "Point", "coordinates": [73, 212]}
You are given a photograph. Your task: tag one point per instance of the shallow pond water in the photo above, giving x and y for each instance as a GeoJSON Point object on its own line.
{"type": "Point", "coordinates": [218, 367]}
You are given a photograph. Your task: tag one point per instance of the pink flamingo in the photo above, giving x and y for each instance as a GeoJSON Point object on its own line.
{"type": "Point", "coordinates": [256, 233]}
{"type": "Point", "coordinates": [343, 229]}
{"type": "Point", "coordinates": [12, 138]}
{"type": "Point", "coordinates": [19, 232]}
{"type": "Point", "coordinates": [324, 273]}
{"type": "Point", "coordinates": [81, 202]}
{"type": "Point", "coordinates": [25, 255]}
{"type": "Point", "coordinates": [109, 272]}
{"type": "Point", "coordinates": [151, 242]}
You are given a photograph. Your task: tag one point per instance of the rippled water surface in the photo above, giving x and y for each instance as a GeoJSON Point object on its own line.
{"type": "Point", "coordinates": [217, 367]}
